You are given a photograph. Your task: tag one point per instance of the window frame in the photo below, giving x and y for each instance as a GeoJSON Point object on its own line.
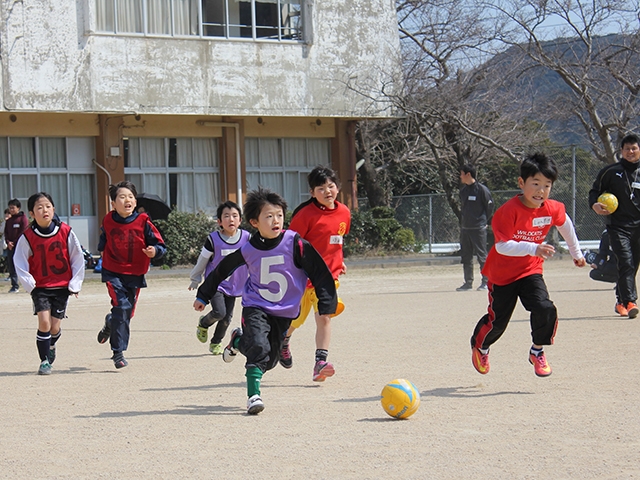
{"type": "Point", "coordinates": [299, 35]}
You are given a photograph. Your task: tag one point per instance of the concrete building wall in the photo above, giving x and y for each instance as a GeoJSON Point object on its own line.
{"type": "Point", "coordinates": [53, 61]}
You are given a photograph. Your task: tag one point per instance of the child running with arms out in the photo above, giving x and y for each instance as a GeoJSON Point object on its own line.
{"type": "Point", "coordinates": [279, 264]}
{"type": "Point", "coordinates": [50, 265]}
{"type": "Point", "coordinates": [218, 245]}
{"type": "Point", "coordinates": [323, 222]}
{"type": "Point", "coordinates": [515, 263]}
{"type": "Point", "coordinates": [128, 242]}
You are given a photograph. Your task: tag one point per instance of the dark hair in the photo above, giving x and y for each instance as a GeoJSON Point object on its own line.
{"type": "Point", "coordinates": [320, 175]}
{"type": "Point", "coordinates": [466, 168]}
{"type": "Point", "coordinates": [228, 204]}
{"type": "Point", "coordinates": [538, 163]}
{"type": "Point", "coordinates": [257, 199]}
{"type": "Point", "coordinates": [31, 203]}
{"type": "Point", "coordinates": [630, 138]}
{"type": "Point", "coordinates": [6, 210]}
{"type": "Point", "coordinates": [14, 202]}
{"type": "Point", "coordinates": [113, 189]}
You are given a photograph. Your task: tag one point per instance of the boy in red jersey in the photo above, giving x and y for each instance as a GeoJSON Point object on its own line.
{"type": "Point", "coordinates": [50, 265]}
{"type": "Point", "coordinates": [128, 242]}
{"type": "Point", "coordinates": [514, 264]}
{"type": "Point", "coordinates": [323, 222]}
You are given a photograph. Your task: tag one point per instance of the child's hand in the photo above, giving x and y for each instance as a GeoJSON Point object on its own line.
{"type": "Point", "coordinates": [193, 285]}
{"type": "Point", "coordinates": [580, 262]}
{"type": "Point", "coordinates": [544, 250]}
{"type": "Point", "coordinates": [198, 306]}
{"type": "Point", "coordinates": [150, 251]}
{"type": "Point", "coordinates": [344, 269]}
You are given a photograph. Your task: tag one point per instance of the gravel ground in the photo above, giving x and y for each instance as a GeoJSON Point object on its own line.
{"type": "Point", "coordinates": [178, 412]}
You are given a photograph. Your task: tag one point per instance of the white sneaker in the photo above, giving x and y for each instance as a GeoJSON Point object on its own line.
{"type": "Point", "coordinates": [255, 405]}
{"type": "Point", "coordinates": [229, 353]}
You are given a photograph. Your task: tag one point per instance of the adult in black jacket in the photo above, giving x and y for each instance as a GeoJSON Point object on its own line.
{"type": "Point", "coordinates": [623, 180]}
{"type": "Point", "coordinates": [477, 209]}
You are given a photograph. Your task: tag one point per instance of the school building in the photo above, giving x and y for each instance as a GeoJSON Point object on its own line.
{"type": "Point", "coordinates": [196, 101]}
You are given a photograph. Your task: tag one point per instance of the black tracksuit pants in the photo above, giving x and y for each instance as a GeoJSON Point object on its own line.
{"type": "Point", "coordinates": [624, 242]}
{"type": "Point", "coordinates": [534, 296]}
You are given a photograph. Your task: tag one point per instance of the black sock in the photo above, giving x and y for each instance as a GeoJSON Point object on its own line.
{"type": "Point", "coordinates": [43, 342]}
{"type": "Point", "coordinates": [54, 338]}
{"type": "Point", "coordinates": [321, 355]}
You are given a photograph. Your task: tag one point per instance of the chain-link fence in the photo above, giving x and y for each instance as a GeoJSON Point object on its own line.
{"type": "Point", "coordinates": [434, 223]}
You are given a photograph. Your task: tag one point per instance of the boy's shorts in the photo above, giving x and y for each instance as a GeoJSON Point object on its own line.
{"type": "Point", "coordinates": [54, 299]}
{"type": "Point", "coordinates": [309, 299]}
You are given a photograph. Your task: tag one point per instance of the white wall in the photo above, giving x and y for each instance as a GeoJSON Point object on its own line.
{"type": "Point", "coordinates": [52, 62]}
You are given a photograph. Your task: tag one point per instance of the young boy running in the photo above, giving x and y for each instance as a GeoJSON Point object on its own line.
{"type": "Point", "coordinates": [50, 265]}
{"type": "Point", "coordinates": [279, 263]}
{"type": "Point", "coordinates": [128, 242]}
{"type": "Point", "coordinates": [218, 245]}
{"type": "Point", "coordinates": [514, 264]}
{"type": "Point", "coordinates": [323, 222]}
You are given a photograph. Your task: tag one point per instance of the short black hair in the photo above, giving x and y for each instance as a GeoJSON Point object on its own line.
{"type": "Point", "coordinates": [228, 204]}
{"type": "Point", "coordinates": [466, 168]}
{"type": "Point", "coordinates": [14, 202]}
{"type": "Point", "coordinates": [630, 138]}
{"type": "Point", "coordinates": [538, 163]}
{"type": "Point", "coordinates": [113, 189]}
{"type": "Point", "coordinates": [257, 199]}
{"type": "Point", "coordinates": [31, 203]}
{"type": "Point", "coordinates": [320, 175]}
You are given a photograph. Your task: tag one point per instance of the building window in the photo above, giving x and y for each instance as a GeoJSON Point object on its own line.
{"type": "Point", "coordinates": [184, 172]}
{"type": "Point", "coordinates": [282, 164]}
{"type": "Point", "coordinates": [33, 164]}
{"type": "Point", "coordinates": [279, 20]}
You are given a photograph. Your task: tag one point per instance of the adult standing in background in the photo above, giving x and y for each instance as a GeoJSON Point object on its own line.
{"type": "Point", "coordinates": [477, 209]}
{"type": "Point", "coordinates": [623, 180]}
{"type": "Point", "coordinates": [15, 225]}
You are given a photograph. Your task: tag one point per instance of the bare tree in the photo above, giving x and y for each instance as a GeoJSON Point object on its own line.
{"type": "Point", "coordinates": [454, 111]}
{"type": "Point", "coordinates": [575, 41]}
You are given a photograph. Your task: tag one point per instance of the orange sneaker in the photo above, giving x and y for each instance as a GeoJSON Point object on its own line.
{"type": "Point", "coordinates": [480, 361]}
{"type": "Point", "coordinates": [620, 310]}
{"type": "Point", "coordinates": [540, 364]}
{"type": "Point", "coordinates": [632, 309]}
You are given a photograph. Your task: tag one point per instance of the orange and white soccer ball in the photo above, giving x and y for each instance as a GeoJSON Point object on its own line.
{"type": "Point", "coordinates": [609, 200]}
{"type": "Point", "coordinates": [400, 398]}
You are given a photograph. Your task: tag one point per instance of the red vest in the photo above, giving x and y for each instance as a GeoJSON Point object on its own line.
{"type": "Point", "coordinates": [125, 242]}
{"type": "Point", "coordinates": [49, 263]}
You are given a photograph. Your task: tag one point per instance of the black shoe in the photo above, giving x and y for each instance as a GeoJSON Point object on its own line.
{"type": "Point", "coordinates": [464, 287]}
{"type": "Point", "coordinates": [105, 333]}
{"type": "Point", "coordinates": [119, 360]}
{"type": "Point", "coordinates": [483, 286]}
{"type": "Point", "coordinates": [13, 290]}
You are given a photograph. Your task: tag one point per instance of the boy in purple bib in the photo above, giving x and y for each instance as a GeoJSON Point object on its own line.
{"type": "Point", "coordinates": [279, 263]}
{"type": "Point", "coordinates": [220, 243]}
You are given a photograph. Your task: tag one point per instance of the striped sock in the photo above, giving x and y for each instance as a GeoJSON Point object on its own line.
{"type": "Point", "coordinates": [43, 342]}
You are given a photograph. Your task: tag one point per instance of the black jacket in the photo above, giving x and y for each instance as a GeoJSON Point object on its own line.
{"type": "Point", "coordinates": [618, 179]}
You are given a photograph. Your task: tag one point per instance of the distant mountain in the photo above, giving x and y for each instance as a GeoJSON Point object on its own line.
{"type": "Point", "coordinates": [545, 96]}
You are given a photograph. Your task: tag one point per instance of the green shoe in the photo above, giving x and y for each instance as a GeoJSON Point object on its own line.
{"type": "Point", "coordinates": [216, 348]}
{"type": "Point", "coordinates": [202, 333]}
{"type": "Point", "coordinates": [45, 368]}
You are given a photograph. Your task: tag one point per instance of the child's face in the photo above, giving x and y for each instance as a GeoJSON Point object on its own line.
{"type": "Point", "coordinates": [326, 194]}
{"type": "Point", "coordinates": [631, 152]}
{"type": "Point", "coordinates": [13, 210]}
{"type": "Point", "coordinates": [229, 221]}
{"type": "Point", "coordinates": [270, 221]}
{"type": "Point", "coordinates": [42, 212]}
{"type": "Point", "coordinates": [535, 190]}
{"type": "Point", "coordinates": [125, 202]}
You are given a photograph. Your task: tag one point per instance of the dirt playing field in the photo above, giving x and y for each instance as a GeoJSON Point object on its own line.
{"type": "Point", "coordinates": [178, 412]}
